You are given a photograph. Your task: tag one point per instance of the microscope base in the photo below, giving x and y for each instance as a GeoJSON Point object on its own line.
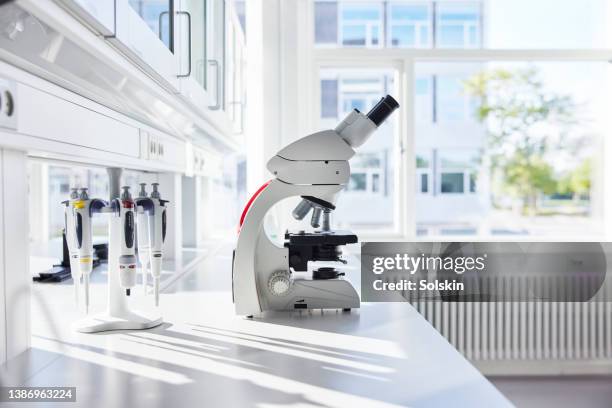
{"type": "Point", "coordinates": [316, 294]}
{"type": "Point", "coordinates": [127, 321]}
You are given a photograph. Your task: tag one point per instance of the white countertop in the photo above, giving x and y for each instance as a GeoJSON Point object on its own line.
{"type": "Point", "coordinates": [380, 355]}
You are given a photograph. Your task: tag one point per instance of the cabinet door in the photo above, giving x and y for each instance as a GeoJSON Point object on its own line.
{"type": "Point", "coordinates": [235, 60]}
{"type": "Point", "coordinates": [192, 45]}
{"type": "Point", "coordinates": [145, 31]}
{"type": "Point", "coordinates": [216, 62]}
{"type": "Point", "coordinates": [99, 14]}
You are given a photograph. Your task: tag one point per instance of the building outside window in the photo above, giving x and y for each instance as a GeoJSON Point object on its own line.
{"type": "Point", "coordinates": [398, 24]}
{"type": "Point", "coordinates": [458, 189]}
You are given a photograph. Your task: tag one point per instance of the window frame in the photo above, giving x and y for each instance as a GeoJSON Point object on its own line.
{"type": "Point", "coordinates": [403, 62]}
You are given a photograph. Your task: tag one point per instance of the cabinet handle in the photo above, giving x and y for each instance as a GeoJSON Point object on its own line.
{"type": "Point", "coordinates": [217, 66]}
{"type": "Point", "coordinates": [186, 13]}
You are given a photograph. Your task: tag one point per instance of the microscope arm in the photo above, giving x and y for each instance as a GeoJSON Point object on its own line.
{"type": "Point", "coordinates": [253, 240]}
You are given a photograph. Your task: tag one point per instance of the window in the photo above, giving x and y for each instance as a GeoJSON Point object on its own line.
{"type": "Point", "coordinates": [409, 25]}
{"type": "Point", "coordinates": [357, 182]}
{"type": "Point", "coordinates": [371, 187]}
{"type": "Point", "coordinates": [361, 24]}
{"type": "Point", "coordinates": [472, 194]}
{"type": "Point", "coordinates": [452, 102]}
{"type": "Point", "coordinates": [473, 180]}
{"type": "Point", "coordinates": [156, 14]}
{"type": "Point", "coordinates": [403, 24]}
{"type": "Point", "coordinates": [424, 183]}
{"type": "Point", "coordinates": [326, 22]}
{"type": "Point", "coordinates": [424, 99]}
{"type": "Point", "coordinates": [458, 25]}
{"type": "Point", "coordinates": [451, 183]}
{"type": "Point", "coordinates": [329, 98]}
{"type": "Point", "coordinates": [423, 171]}
{"type": "Point", "coordinates": [486, 185]}
{"type": "Point", "coordinates": [375, 182]}
{"type": "Point", "coordinates": [360, 93]}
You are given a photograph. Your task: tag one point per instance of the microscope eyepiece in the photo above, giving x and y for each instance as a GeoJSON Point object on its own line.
{"type": "Point", "coordinates": [382, 110]}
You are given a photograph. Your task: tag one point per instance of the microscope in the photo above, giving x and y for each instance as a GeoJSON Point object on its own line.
{"type": "Point", "coordinates": [266, 276]}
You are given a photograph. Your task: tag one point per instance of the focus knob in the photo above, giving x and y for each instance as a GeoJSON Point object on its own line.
{"type": "Point", "coordinates": [279, 283]}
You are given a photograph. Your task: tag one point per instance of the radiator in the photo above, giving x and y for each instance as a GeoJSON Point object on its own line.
{"type": "Point", "coordinates": [532, 337]}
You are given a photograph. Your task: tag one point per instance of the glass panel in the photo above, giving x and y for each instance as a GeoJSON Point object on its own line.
{"type": "Point", "coordinates": [156, 14]}
{"type": "Point", "coordinates": [423, 99]}
{"type": "Point", "coordinates": [197, 11]}
{"type": "Point", "coordinates": [458, 25]}
{"type": "Point", "coordinates": [357, 182]}
{"type": "Point", "coordinates": [451, 183]}
{"type": "Point", "coordinates": [368, 202]}
{"type": "Point", "coordinates": [354, 35]}
{"type": "Point", "coordinates": [529, 165]}
{"type": "Point", "coordinates": [452, 102]}
{"type": "Point", "coordinates": [326, 22]}
{"type": "Point", "coordinates": [403, 36]}
{"type": "Point", "coordinates": [409, 25]}
{"type": "Point", "coordinates": [424, 183]}
{"type": "Point", "coordinates": [329, 98]}
{"type": "Point", "coordinates": [375, 183]}
{"type": "Point", "coordinates": [360, 24]}
{"type": "Point", "coordinates": [548, 24]}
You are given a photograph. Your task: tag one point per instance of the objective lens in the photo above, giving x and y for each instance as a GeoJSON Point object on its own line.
{"type": "Point", "coordinates": [301, 210]}
{"type": "Point", "coordinates": [315, 221]}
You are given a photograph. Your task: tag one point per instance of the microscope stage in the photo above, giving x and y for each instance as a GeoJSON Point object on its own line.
{"type": "Point", "coordinates": [320, 238]}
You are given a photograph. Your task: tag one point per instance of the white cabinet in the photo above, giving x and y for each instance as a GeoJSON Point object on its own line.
{"type": "Point", "coordinates": [99, 14]}
{"type": "Point", "coordinates": [235, 58]}
{"type": "Point", "coordinates": [201, 46]}
{"type": "Point", "coordinates": [145, 31]}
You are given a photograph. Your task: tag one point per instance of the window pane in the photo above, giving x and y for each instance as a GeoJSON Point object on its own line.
{"type": "Point", "coordinates": [451, 183]}
{"type": "Point", "coordinates": [357, 182]}
{"type": "Point", "coordinates": [359, 13]}
{"type": "Point", "coordinates": [368, 203]}
{"type": "Point", "coordinates": [452, 102]}
{"type": "Point", "coordinates": [329, 98]}
{"type": "Point", "coordinates": [326, 20]}
{"type": "Point", "coordinates": [424, 183]}
{"type": "Point", "coordinates": [548, 24]}
{"type": "Point", "coordinates": [528, 166]}
{"type": "Point", "coordinates": [354, 35]}
{"type": "Point", "coordinates": [403, 36]}
{"type": "Point", "coordinates": [409, 12]}
{"type": "Point", "coordinates": [361, 24]}
{"type": "Point", "coordinates": [156, 14]}
{"type": "Point", "coordinates": [423, 99]}
{"type": "Point", "coordinates": [409, 24]}
{"type": "Point", "coordinates": [375, 183]}
{"type": "Point", "coordinates": [451, 36]}
{"type": "Point", "coordinates": [510, 23]}
{"type": "Point", "coordinates": [458, 25]}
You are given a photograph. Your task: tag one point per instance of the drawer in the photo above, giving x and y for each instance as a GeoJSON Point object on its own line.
{"type": "Point", "coordinates": [50, 117]}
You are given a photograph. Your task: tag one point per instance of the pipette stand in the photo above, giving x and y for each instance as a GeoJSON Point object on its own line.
{"type": "Point", "coordinates": [118, 316]}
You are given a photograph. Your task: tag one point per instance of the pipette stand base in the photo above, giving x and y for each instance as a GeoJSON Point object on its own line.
{"type": "Point", "coordinates": [128, 320]}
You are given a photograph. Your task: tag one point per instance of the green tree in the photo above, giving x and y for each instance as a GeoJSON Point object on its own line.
{"type": "Point", "coordinates": [578, 181]}
{"type": "Point", "coordinates": [524, 122]}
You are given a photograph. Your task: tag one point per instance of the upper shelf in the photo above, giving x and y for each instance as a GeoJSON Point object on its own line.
{"type": "Point", "coordinates": [49, 41]}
